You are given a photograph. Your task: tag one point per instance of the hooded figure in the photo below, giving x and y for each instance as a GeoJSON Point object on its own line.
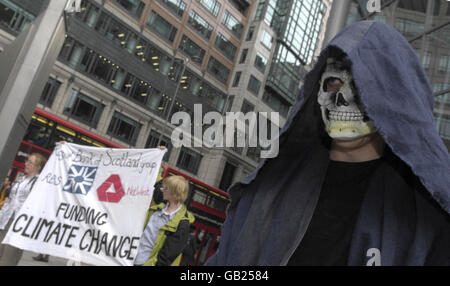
{"type": "Point", "coordinates": [398, 214]}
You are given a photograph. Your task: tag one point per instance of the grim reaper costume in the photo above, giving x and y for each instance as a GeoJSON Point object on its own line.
{"type": "Point", "coordinates": [403, 214]}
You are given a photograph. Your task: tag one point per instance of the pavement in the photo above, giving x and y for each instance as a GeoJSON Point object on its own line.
{"type": "Point", "coordinates": [27, 260]}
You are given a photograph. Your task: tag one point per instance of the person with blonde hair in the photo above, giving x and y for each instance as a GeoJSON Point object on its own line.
{"type": "Point", "coordinates": [166, 231]}
{"type": "Point", "coordinates": [20, 190]}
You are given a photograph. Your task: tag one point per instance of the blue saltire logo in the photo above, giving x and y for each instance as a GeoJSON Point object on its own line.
{"type": "Point", "coordinates": [80, 179]}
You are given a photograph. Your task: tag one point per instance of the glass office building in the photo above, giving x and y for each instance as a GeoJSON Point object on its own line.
{"type": "Point", "coordinates": [426, 25]}
{"type": "Point", "coordinates": [120, 72]}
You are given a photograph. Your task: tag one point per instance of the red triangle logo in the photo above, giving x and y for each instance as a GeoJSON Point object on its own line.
{"type": "Point", "coordinates": [115, 197]}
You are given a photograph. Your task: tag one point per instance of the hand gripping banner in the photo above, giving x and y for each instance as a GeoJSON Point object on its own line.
{"type": "Point", "coordinates": [88, 204]}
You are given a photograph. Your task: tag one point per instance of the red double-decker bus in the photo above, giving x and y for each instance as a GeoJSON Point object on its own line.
{"type": "Point", "coordinates": [207, 204]}
{"type": "Point", "coordinates": [45, 130]}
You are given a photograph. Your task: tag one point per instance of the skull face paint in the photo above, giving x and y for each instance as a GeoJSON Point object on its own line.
{"type": "Point", "coordinates": [342, 112]}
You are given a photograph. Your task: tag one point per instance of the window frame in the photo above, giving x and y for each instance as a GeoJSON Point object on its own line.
{"type": "Point", "coordinates": [50, 91]}
{"type": "Point", "coordinates": [192, 168]}
{"type": "Point", "coordinates": [114, 127]}
{"type": "Point", "coordinates": [72, 104]}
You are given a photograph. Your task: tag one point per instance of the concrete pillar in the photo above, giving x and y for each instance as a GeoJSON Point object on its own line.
{"type": "Point", "coordinates": [26, 64]}
{"type": "Point", "coordinates": [337, 19]}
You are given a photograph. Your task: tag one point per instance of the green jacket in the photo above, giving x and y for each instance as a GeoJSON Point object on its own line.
{"type": "Point", "coordinates": [172, 238]}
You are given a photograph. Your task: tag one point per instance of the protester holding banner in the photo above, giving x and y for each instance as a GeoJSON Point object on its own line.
{"type": "Point", "coordinates": [20, 190]}
{"type": "Point", "coordinates": [88, 205]}
{"type": "Point", "coordinates": [167, 226]}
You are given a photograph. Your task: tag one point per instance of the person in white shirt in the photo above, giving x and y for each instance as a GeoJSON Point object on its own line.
{"type": "Point", "coordinates": [20, 190]}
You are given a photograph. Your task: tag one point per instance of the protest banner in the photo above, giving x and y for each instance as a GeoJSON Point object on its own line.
{"type": "Point", "coordinates": [88, 204]}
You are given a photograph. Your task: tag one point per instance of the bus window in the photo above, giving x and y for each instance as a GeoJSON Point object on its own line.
{"type": "Point", "coordinates": [217, 204]}
{"type": "Point", "coordinates": [62, 133]}
{"type": "Point", "coordinates": [43, 137]}
{"type": "Point", "coordinates": [84, 140]}
{"type": "Point", "coordinates": [199, 197]}
{"type": "Point", "coordinates": [39, 131]}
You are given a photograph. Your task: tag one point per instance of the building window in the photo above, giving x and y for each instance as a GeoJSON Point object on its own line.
{"type": "Point", "coordinates": [177, 7]}
{"type": "Point", "coordinates": [215, 98]}
{"type": "Point", "coordinates": [260, 62]}
{"type": "Point", "coordinates": [117, 33]}
{"type": "Point", "coordinates": [241, 6]}
{"type": "Point", "coordinates": [159, 61]}
{"type": "Point", "coordinates": [229, 103]}
{"type": "Point", "coordinates": [409, 28]}
{"type": "Point", "coordinates": [247, 107]}
{"type": "Point", "coordinates": [71, 52]}
{"type": "Point", "coordinates": [49, 92]}
{"type": "Point", "coordinates": [444, 63]}
{"type": "Point", "coordinates": [243, 56]}
{"type": "Point", "coordinates": [266, 40]}
{"type": "Point", "coordinates": [191, 82]}
{"type": "Point", "coordinates": [128, 83]}
{"type": "Point", "coordinates": [98, 66]}
{"type": "Point", "coordinates": [426, 59]}
{"type": "Point", "coordinates": [191, 49]}
{"type": "Point", "coordinates": [83, 108]}
{"type": "Point", "coordinates": [13, 17]}
{"type": "Point", "coordinates": [286, 71]}
{"type": "Point", "coordinates": [227, 176]}
{"type": "Point", "coordinates": [89, 57]}
{"type": "Point", "coordinates": [225, 46]}
{"type": "Point", "coordinates": [232, 24]}
{"type": "Point", "coordinates": [118, 78]}
{"type": "Point", "coordinates": [141, 49]}
{"type": "Point", "coordinates": [103, 68]}
{"type": "Point", "coordinates": [76, 55]}
{"type": "Point", "coordinates": [161, 26]}
{"type": "Point", "coordinates": [124, 128]}
{"type": "Point", "coordinates": [131, 42]}
{"type": "Point", "coordinates": [200, 25]}
{"type": "Point", "coordinates": [250, 32]}
{"type": "Point", "coordinates": [443, 125]}
{"type": "Point", "coordinates": [189, 160]}
{"type": "Point", "coordinates": [269, 12]}
{"type": "Point", "coordinates": [237, 78]}
{"type": "Point", "coordinates": [89, 13]}
{"type": "Point", "coordinates": [66, 49]}
{"type": "Point", "coordinates": [157, 101]}
{"type": "Point", "coordinates": [303, 27]}
{"type": "Point", "coordinates": [253, 85]}
{"type": "Point", "coordinates": [110, 74]}
{"type": "Point", "coordinates": [152, 142]}
{"type": "Point", "coordinates": [140, 92]}
{"type": "Point", "coordinates": [274, 101]}
{"type": "Point", "coordinates": [259, 10]}
{"type": "Point", "coordinates": [102, 23]}
{"type": "Point", "coordinates": [218, 70]}
{"type": "Point", "coordinates": [213, 6]}
{"type": "Point", "coordinates": [134, 7]}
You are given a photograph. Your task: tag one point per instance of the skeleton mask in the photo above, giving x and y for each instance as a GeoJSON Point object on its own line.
{"type": "Point", "coordinates": [342, 112]}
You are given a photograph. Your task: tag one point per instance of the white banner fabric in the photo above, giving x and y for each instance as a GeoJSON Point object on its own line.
{"type": "Point", "coordinates": [88, 204]}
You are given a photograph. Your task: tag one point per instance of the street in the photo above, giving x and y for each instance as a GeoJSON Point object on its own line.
{"type": "Point", "coordinates": [27, 260]}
